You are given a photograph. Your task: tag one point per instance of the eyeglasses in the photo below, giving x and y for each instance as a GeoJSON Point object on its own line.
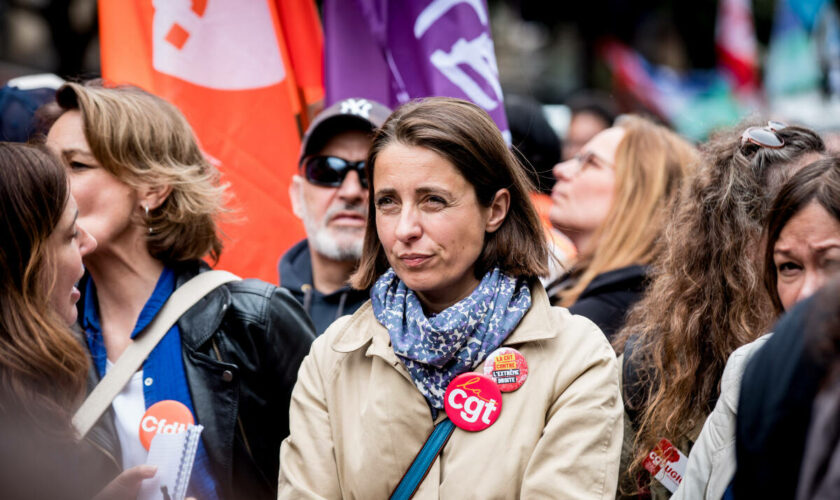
{"type": "Point", "coordinates": [330, 171]}
{"type": "Point", "coordinates": [583, 159]}
{"type": "Point", "coordinates": [764, 137]}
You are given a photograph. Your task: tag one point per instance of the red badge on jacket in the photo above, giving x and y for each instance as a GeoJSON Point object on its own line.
{"type": "Point", "coordinates": [164, 417]}
{"type": "Point", "coordinates": [473, 401]}
{"type": "Point", "coordinates": [667, 464]}
{"type": "Point", "coordinates": [507, 367]}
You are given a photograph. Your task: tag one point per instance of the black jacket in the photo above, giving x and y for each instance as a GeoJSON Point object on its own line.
{"type": "Point", "coordinates": [774, 410]}
{"type": "Point", "coordinates": [296, 275]}
{"type": "Point", "coordinates": [608, 297]}
{"type": "Point", "coordinates": [242, 345]}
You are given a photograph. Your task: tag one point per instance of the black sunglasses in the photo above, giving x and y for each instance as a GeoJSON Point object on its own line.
{"type": "Point", "coordinates": [765, 137]}
{"type": "Point", "coordinates": [330, 171]}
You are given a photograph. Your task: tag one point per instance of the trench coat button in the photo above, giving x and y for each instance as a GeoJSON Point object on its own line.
{"type": "Point", "coordinates": [227, 375]}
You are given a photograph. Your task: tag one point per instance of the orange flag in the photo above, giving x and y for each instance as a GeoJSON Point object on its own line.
{"type": "Point", "coordinates": [245, 74]}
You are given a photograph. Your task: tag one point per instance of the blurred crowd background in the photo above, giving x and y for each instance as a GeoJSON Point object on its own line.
{"type": "Point", "coordinates": [694, 65]}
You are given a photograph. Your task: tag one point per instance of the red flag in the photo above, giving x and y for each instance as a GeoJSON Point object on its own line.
{"type": "Point", "coordinates": [304, 39]}
{"type": "Point", "coordinates": [230, 67]}
{"type": "Point", "coordinates": [736, 44]}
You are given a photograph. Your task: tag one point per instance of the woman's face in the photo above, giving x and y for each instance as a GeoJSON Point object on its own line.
{"type": "Point", "coordinates": [66, 246]}
{"type": "Point", "coordinates": [583, 194]}
{"type": "Point", "coordinates": [806, 254]}
{"type": "Point", "coordinates": [107, 206]}
{"type": "Point", "coordinates": [430, 223]}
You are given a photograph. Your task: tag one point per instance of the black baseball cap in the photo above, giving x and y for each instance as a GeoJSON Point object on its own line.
{"type": "Point", "coordinates": [355, 113]}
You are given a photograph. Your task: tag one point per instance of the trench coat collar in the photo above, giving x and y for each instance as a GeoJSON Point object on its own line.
{"type": "Point", "coordinates": [363, 328]}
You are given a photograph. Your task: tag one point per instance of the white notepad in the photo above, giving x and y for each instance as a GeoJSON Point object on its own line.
{"type": "Point", "coordinates": [173, 454]}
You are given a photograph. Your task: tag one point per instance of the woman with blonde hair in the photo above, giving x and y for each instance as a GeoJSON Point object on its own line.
{"type": "Point", "coordinates": [707, 295]}
{"type": "Point", "coordinates": [458, 347]}
{"type": "Point", "coordinates": [151, 199]}
{"type": "Point", "coordinates": [612, 199]}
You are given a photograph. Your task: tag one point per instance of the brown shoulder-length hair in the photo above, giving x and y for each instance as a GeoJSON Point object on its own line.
{"type": "Point", "coordinates": [818, 182]}
{"type": "Point", "coordinates": [144, 140]}
{"type": "Point", "coordinates": [43, 367]}
{"type": "Point", "coordinates": [650, 164]}
{"type": "Point", "coordinates": [465, 135]}
{"type": "Point", "coordinates": [706, 296]}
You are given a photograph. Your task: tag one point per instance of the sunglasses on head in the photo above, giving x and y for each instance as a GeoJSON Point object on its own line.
{"type": "Point", "coordinates": [765, 137]}
{"type": "Point", "coordinates": [330, 171]}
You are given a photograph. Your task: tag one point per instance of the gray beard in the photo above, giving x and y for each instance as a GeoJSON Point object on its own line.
{"type": "Point", "coordinates": [323, 242]}
{"type": "Point", "coordinates": [335, 244]}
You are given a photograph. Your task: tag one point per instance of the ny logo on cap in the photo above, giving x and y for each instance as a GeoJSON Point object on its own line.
{"type": "Point", "coordinates": [360, 107]}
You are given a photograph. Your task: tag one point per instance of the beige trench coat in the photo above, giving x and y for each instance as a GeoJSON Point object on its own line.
{"type": "Point", "coordinates": [357, 420]}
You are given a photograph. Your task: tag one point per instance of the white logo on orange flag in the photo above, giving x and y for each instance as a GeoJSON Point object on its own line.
{"type": "Point", "coordinates": [242, 42]}
{"type": "Point", "coordinates": [244, 73]}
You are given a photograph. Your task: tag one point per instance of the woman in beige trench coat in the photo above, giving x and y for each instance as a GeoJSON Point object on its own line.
{"type": "Point", "coordinates": [452, 252]}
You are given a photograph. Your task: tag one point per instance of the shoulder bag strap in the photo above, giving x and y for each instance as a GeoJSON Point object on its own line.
{"type": "Point", "coordinates": [181, 300]}
{"type": "Point", "coordinates": [423, 461]}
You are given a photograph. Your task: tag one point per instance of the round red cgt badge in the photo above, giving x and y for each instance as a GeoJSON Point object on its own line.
{"type": "Point", "coordinates": [473, 401]}
{"type": "Point", "coordinates": [507, 367]}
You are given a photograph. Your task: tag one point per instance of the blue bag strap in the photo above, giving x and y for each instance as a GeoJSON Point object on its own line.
{"type": "Point", "coordinates": [423, 461]}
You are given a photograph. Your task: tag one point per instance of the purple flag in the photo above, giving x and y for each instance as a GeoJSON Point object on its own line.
{"type": "Point", "coordinates": [394, 51]}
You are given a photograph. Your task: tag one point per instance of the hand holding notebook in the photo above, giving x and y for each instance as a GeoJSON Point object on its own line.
{"type": "Point", "coordinates": [173, 454]}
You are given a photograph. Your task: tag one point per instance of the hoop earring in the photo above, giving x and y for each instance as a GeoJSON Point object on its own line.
{"type": "Point", "coordinates": [146, 207]}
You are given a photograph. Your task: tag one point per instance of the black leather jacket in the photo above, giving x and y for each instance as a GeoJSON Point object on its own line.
{"type": "Point", "coordinates": [242, 345]}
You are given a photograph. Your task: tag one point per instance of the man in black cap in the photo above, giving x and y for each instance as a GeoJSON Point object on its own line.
{"type": "Point", "coordinates": [330, 196]}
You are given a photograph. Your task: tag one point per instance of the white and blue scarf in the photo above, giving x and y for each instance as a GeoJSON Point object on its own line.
{"type": "Point", "coordinates": [435, 350]}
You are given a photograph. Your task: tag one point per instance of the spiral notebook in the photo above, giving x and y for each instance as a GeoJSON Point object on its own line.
{"type": "Point", "coordinates": [173, 454]}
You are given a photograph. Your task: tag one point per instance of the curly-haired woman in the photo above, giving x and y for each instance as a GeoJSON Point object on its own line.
{"type": "Point", "coordinates": [707, 295]}
{"type": "Point", "coordinates": [801, 253]}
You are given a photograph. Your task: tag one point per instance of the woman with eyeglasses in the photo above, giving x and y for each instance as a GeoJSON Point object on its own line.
{"type": "Point", "coordinates": [458, 345]}
{"type": "Point", "coordinates": [801, 254]}
{"type": "Point", "coordinates": [706, 296]}
{"type": "Point", "coordinates": [150, 198]}
{"type": "Point", "coordinates": [612, 200]}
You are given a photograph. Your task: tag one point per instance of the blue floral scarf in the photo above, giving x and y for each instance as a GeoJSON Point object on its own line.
{"type": "Point", "coordinates": [437, 349]}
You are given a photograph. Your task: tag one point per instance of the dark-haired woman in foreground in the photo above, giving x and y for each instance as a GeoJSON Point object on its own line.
{"type": "Point", "coordinates": [453, 249]}
{"type": "Point", "coordinates": [43, 365]}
